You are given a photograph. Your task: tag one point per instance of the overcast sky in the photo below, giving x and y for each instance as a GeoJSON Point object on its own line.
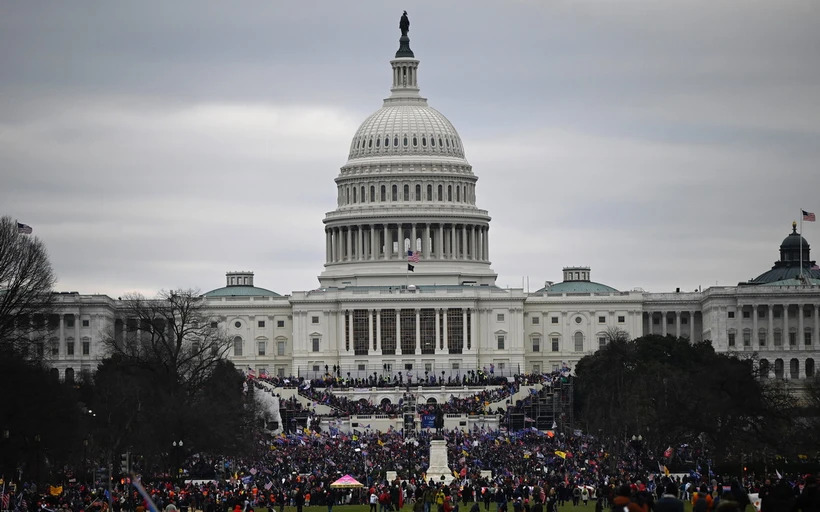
{"type": "Point", "coordinates": [156, 145]}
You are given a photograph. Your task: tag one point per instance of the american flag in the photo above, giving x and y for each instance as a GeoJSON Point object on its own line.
{"type": "Point", "coordinates": [807, 216]}
{"type": "Point", "coordinates": [26, 229]}
{"type": "Point", "coordinates": [413, 256]}
{"type": "Point", "coordinates": [251, 373]}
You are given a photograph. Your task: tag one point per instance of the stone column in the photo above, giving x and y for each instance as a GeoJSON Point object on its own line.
{"type": "Point", "coordinates": [351, 331]}
{"type": "Point", "coordinates": [446, 340]}
{"type": "Point", "coordinates": [463, 330]}
{"type": "Point", "coordinates": [463, 253]}
{"type": "Point", "coordinates": [77, 341]}
{"type": "Point", "coordinates": [332, 232]}
{"type": "Point", "coordinates": [677, 324]}
{"type": "Point", "coordinates": [664, 319]}
{"type": "Point", "coordinates": [486, 243]}
{"type": "Point", "coordinates": [453, 250]}
{"type": "Point", "coordinates": [417, 349]}
{"type": "Point", "coordinates": [359, 243]}
{"type": "Point", "coordinates": [438, 331]}
{"type": "Point", "coordinates": [692, 326]}
{"type": "Point", "coordinates": [815, 339]}
{"type": "Point", "coordinates": [785, 336]}
{"type": "Point", "coordinates": [801, 326]}
{"type": "Point", "coordinates": [440, 241]}
{"type": "Point", "coordinates": [413, 246]}
{"type": "Point", "coordinates": [374, 243]}
{"type": "Point", "coordinates": [386, 242]}
{"type": "Point", "coordinates": [770, 333]}
{"type": "Point", "coordinates": [755, 338]}
{"type": "Point", "coordinates": [327, 245]}
{"type": "Point", "coordinates": [398, 332]}
{"type": "Point", "coordinates": [378, 342]}
{"type": "Point", "coordinates": [370, 340]}
{"type": "Point", "coordinates": [62, 331]}
{"type": "Point", "coordinates": [473, 330]}
{"type": "Point", "coordinates": [425, 244]}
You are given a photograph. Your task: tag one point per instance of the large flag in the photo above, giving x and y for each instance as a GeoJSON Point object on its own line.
{"type": "Point", "coordinates": [807, 216]}
{"type": "Point", "coordinates": [561, 454]}
{"type": "Point", "coordinates": [413, 257]}
{"type": "Point", "coordinates": [26, 229]}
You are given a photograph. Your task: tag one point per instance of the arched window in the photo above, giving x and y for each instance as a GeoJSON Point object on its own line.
{"type": "Point", "coordinates": [406, 192]}
{"type": "Point", "coordinates": [395, 193]}
{"type": "Point", "coordinates": [439, 143]}
{"type": "Point", "coordinates": [450, 193]}
{"type": "Point", "coordinates": [386, 142]}
{"type": "Point", "coordinates": [439, 192]}
{"type": "Point", "coordinates": [778, 368]}
{"type": "Point", "coordinates": [237, 346]}
{"type": "Point", "coordinates": [794, 369]}
{"type": "Point", "coordinates": [361, 195]}
{"type": "Point", "coordinates": [370, 143]}
{"type": "Point", "coordinates": [378, 140]}
{"type": "Point", "coordinates": [415, 141]}
{"type": "Point", "coordinates": [347, 189]}
{"type": "Point", "coordinates": [384, 194]}
{"type": "Point", "coordinates": [418, 192]}
{"type": "Point", "coordinates": [354, 194]}
{"type": "Point", "coordinates": [458, 194]}
{"type": "Point", "coordinates": [429, 192]}
{"type": "Point", "coordinates": [579, 341]}
{"type": "Point", "coordinates": [424, 142]}
{"type": "Point", "coordinates": [764, 368]}
{"type": "Point", "coordinates": [433, 141]}
{"type": "Point", "coordinates": [372, 193]}
{"type": "Point", "coordinates": [395, 142]}
{"type": "Point", "coordinates": [405, 141]}
{"type": "Point", "coordinates": [69, 375]}
{"type": "Point", "coordinates": [809, 368]}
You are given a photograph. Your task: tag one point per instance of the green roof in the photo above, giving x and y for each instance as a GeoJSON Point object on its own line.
{"type": "Point", "coordinates": [241, 291]}
{"type": "Point", "coordinates": [578, 287]}
{"type": "Point", "coordinates": [813, 281]}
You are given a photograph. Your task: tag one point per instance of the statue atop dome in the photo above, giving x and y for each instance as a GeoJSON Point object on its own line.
{"type": "Point", "coordinates": [404, 24]}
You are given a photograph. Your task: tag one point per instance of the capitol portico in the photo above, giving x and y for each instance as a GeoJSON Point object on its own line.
{"type": "Point", "coordinates": [407, 285]}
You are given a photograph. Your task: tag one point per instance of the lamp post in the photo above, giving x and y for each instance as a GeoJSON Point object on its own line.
{"type": "Point", "coordinates": [637, 445]}
{"type": "Point", "coordinates": [177, 459]}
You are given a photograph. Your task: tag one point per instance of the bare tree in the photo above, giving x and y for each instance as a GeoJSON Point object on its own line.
{"type": "Point", "coordinates": [616, 334]}
{"type": "Point", "coordinates": [172, 337]}
{"type": "Point", "coordinates": [26, 282]}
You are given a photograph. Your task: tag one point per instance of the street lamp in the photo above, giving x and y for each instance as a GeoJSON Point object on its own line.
{"type": "Point", "coordinates": [177, 448]}
{"type": "Point", "coordinates": [637, 445]}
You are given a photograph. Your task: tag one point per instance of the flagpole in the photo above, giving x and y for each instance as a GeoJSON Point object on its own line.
{"type": "Point", "coordinates": [801, 245]}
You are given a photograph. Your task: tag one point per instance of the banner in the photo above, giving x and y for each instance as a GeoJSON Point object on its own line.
{"type": "Point", "coordinates": [428, 421]}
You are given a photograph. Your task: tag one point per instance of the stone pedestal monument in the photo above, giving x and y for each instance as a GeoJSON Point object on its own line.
{"type": "Point", "coordinates": [438, 463]}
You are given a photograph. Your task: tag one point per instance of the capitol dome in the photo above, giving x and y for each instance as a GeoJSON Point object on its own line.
{"type": "Point", "coordinates": [406, 198]}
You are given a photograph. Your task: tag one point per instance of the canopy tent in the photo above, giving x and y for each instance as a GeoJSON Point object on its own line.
{"type": "Point", "coordinates": [346, 482]}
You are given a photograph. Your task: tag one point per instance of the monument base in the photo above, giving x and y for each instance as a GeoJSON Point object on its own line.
{"type": "Point", "coordinates": [438, 463]}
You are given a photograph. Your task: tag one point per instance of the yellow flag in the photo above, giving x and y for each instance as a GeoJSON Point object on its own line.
{"type": "Point", "coordinates": [55, 491]}
{"type": "Point", "coordinates": [665, 471]}
{"type": "Point", "coordinates": [380, 442]}
{"type": "Point", "coordinates": [561, 454]}
{"type": "Point", "coordinates": [355, 437]}
{"type": "Point", "coordinates": [464, 452]}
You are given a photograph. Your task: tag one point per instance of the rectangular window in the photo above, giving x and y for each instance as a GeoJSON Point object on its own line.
{"type": "Point", "coordinates": [237, 347]}
{"type": "Point", "coordinates": [280, 371]}
{"type": "Point", "coordinates": [747, 314]}
{"type": "Point", "coordinates": [536, 368]}
{"type": "Point", "coordinates": [69, 321]}
{"type": "Point", "coordinates": [536, 320]}
{"type": "Point", "coordinates": [555, 344]}
{"type": "Point", "coordinates": [86, 323]}
{"type": "Point", "coordinates": [260, 324]}
{"type": "Point", "coordinates": [601, 319]}
{"type": "Point", "coordinates": [731, 314]}
{"type": "Point", "coordinates": [361, 367]}
{"type": "Point", "coordinates": [408, 366]}
{"type": "Point", "coordinates": [69, 348]}
{"type": "Point", "coordinates": [280, 348]}
{"type": "Point", "coordinates": [501, 366]}
{"type": "Point", "coordinates": [656, 320]}
{"type": "Point", "coordinates": [777, 313]}
{"type": "Point", "coordinates": [807, 338]}
{"type": "Point", "coordinates": [731, 339]}
{"type": "Point", "coordinates": [261, 346]}
{"type": "Point", "coordinates": [684, 320]}
{"type": "Point", "coordinates": [601, 341]}
{"type": "Point", "coordinates": [86, 348]}
{"type": "Point", "coordinates": [621, 319]}
{"type": "Point", "coordinates": [456, 365]}
{"type": "Point", "coordinates": [316, 368]}
{"type": "Point", "coordinates": [315, 343]}
{"type": "Point", "coordinates": [747, 339]}
{"type": "Point", "coordinates": [500, 340]}
{"type": "Point", "coordinates": [499, 317]}
{"type": "Point", "coordinates": [778, 339]}
{"type": "Point", "coordinates": [555, 319]}
{"type": "Point", "coordinates": [428, 367]}
{"type": "Point", "coordinates": [792, 339]}
{"type": "Point", "coordinates": [536, 344]}
{"type": "Point", "coordinates": [314, 319]}
{"type": "Point", "coordinates": [761, 338]}
{"type": "Point", "coordinates": [280, 323]}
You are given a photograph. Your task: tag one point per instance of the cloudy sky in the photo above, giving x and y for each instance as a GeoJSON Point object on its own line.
{"type": "Point", "coordinates": [156, 145]}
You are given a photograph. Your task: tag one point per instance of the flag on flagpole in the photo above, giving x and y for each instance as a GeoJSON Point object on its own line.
{"type": "Point", "coordinates": [807, 216]}
{"type": "Point", "coordinates": [251, 373]}
{"type": "Point", "coordinates": [411, 268]}
{"type": "Point", "coordinates": [25, 229]}
{"type": "Point", "coordinates": [413, 256]}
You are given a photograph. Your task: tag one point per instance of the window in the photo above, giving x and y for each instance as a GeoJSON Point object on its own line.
{"type": "Point", "coordinates": [578, 319]}
{"type": "Point", "coordinates": [214, 325]}
{"type": "Point", "coordinates": [601, 319]}
{"type": "Point", "coordinates": [418, 193]}
{"type": "Point", "coordinates": [395, 193]}
{"type": "Point", "coordinates": [439, 193]}
{"type": "Point", "coordinates": [237, 347]}
{"type": "Point", "coordinates": [499, 317]}
{"type": "Point", "coordinates": [776, 315]}
{"type": "Point", "coordinates": [731, 339]}
{"type": "Point", "coordinates": [555, 344]}
{"type": "Point", "coordinates": [554, 320]}
{"type": "Point", "coordinates": [407, 192]}
{"type": "Point", "coordinates": [280, 371]}
{"type": "Point", "coordinates": [807, 338]}
{"type": "Point", "coordinates": [195, 347]}
{"type": "Point", "coordinates": [500, 340]}
{"type": "Point", "coordinates": [69, 347]}
{"type": "Point", "coordinates": [536, 344]}
{"type": "Point", "coordinates": [747, 314]}
{"type": "Point", "coordinates": [408, 366]}
{"type": "Point", "coordinates": [792, 339]}
{"type": "Point", "coordinates": [86, 348]}
{"type": "Point", "coordinates": [579, 342]}
{"type": "Point", "coordinates": [456, 365]}
{"type": "Point", "coordinates": [683, 320]}
{"type": "Point", "coordinates": [731, 314]}
{"type": "Point", "coordinates": [237, 324]}
{"type": "Point", "coordinates": [383, 194]}
{"type": "Point", "coordinates": [86, 323]}
{"type": "Point", "coordinates": [260, 323]}
{"type": "Point", "coordinates": [314, 319]}
{"type": "Point", "coordinates": [761, 337]}
{"type": "Point", "coordinates": [315, 343]}
{"type": "Point", "coordinates": [261, 346]}
{"type": "Point", "coordinates": [69, 321]}
{"type": "Point", "coordinates": [280, 323]}
{"type": "Point", "coordinates": [778, 338]}
{"type": "Point", "coordinates": [809, 368]}
{"type": "Point", "coordinates": [621, 319]}
{"type": "Point", "coordinates": [601, 341]}
{"type": "Point", "coordinates": [536, 320]}
{"type": "Point", "coordinates": [316, 368]}
{"type": "Point", "coordinates": [280, 348]}
{"type": "Point", "coordinates": [429, 192]}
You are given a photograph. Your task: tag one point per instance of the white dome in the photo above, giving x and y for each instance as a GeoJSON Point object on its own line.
{"type": "Point", "coordinates": [406, 130]}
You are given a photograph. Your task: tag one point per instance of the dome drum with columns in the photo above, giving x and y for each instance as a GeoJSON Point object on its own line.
{"type": "Point", "coordinates": [406, 187]}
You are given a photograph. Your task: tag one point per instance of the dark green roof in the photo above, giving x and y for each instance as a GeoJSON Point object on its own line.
{"type": "Point", "coordinates": [813, 281]}
{"type": "Point", "coordinates": [578, 287]}
{"type": "Point", "coordinates": [783, 273]}
{"type": "Point", "coordinates": [241, 291]}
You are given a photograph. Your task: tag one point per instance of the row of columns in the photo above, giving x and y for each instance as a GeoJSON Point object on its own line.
{"type": "Point", "coordinates": [372, 242]}
{"type": "Point", "coordinates": [442, 341]}
{"type": "Point", "coordinates": [664, 328]}
{"type": "Point", "coordinates": [439, 192]}
{"type": "Point", "coordinates": [795, 369]}
{"type": "Point", "coordinates": [784, 323]}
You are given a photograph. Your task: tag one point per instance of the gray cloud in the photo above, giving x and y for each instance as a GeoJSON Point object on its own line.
{"type": "Point", "coordinates": [159, 144]}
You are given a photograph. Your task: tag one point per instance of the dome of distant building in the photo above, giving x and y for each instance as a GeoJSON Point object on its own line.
{"type": "Point", "coordinates": [576, 280]}
{"type": "Point", "coordinates": [240, 284]}
{"type": "Point", "coordinates": [795, 261]}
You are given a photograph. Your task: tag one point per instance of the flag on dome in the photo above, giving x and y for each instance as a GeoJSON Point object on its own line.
{"type": "Point", "coordinates": [413, 256]}
{"type": "Point", "coordinates": [807, 216]}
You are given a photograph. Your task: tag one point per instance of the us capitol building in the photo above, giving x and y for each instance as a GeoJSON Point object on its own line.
{"type": "Point", "coordinates": [407, 200]}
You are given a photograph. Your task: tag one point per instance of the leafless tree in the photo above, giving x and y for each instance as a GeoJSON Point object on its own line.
{"type": "Point", "coordinates": [616, 334]}
{"type": "Point", "coordinates": [172, 337]}
{"type": "Point", "coordinates": [26, 282]}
